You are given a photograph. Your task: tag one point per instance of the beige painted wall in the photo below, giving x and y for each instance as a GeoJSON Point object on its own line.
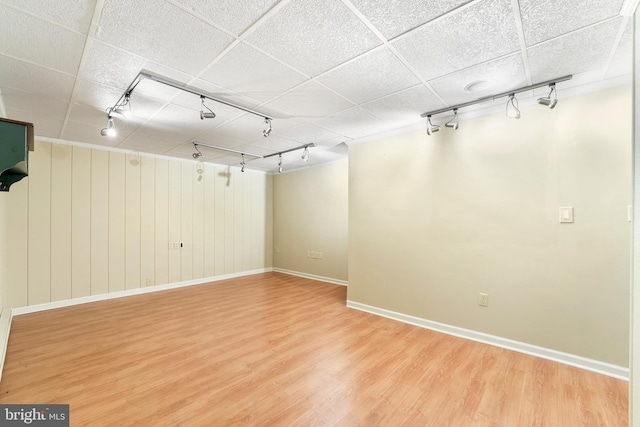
{"type": "Point", "coordinates": [89, 221]}
{"type": "Point", "coordinates": [435, 220]}
{"type": "Point", "coordinates": [311, 214]}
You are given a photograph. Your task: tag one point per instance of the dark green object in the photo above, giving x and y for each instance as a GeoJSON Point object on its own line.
{"type": "Point", "coordinates": [14, 153]}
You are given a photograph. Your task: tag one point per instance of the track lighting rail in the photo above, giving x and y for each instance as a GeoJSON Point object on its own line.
{"type": "Point", "coordinates": [500, 95]}
{"type": "Point", "coordinates": [147, 75]}
{"type": "Point", "coordinates": [289, 150]}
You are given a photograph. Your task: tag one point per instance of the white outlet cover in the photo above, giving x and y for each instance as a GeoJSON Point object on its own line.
{"type": "Point", "coordinates": [566, 214]}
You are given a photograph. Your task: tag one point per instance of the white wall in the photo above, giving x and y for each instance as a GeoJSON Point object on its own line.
{"type": "Point", "coordinates": [434, 221]}
{"type": "Point", "coordinates": [311, 214]}
{"type": "Point", "coordinates": [89, 221]}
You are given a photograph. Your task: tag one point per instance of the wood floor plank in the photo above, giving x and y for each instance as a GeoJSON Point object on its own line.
{"type": "Point", "coordinates": [278, 350]}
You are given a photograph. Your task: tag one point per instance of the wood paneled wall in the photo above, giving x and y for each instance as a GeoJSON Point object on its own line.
{"type": "Point", "coordinates": [90, 221]}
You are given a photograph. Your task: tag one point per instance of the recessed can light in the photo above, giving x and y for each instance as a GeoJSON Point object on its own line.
{"type": "Point", "coordinates": [477, 86]}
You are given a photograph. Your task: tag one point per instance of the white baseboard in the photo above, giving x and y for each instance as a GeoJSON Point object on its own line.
{"type": "Point", "coordinates": [5, 327]}
{"type": "Point", "coordinates": [533, 350]}
{"type": "Point", "coordinates": [130, 292]}
{"type": "Point", "coordinates": [312, 276]}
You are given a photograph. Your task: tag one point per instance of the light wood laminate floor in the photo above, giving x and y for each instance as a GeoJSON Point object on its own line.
{"type": "Point", "coordinates": [279, 350]}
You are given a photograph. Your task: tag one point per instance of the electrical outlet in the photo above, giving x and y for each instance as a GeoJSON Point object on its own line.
{"type": "Point", "coordinates": [314, 254]}
{"type": "Point", "coordinates": [483, 299]}
{"type": "Point", "coordinates": [170, 245]}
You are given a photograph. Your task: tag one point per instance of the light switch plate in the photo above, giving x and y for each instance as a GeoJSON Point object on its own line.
{"type": "Point", "coordinates": [566, 214]}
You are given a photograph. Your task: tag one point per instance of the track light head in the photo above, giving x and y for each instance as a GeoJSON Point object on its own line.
{"type": "Point", "coordinates": [267, 131]}
{"type": "Point", "coordinates": [453, 122]}
{"type": "Point", "coordinates": [280, 163]}
{"type": "Point", "coordinates": [242, 163]}
{"type": "Point", "coordinates": [205, 114]}
{"type": "Point", "coordinates": [196, 152]}
{"type": "Point", "coordinates": [513, 111]}
{"type": "Point", "coordinates": [547, 101]}
{"type": "Point", "coordinates": [431, 128]}
{"type": "Point", "coordinates": [305, 154]}
{"type": "Point", "coordinates": [110, 130]}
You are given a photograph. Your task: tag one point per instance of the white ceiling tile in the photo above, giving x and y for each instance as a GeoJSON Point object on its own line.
{"type": "Point", "coordinates": [395, 17]}
{"type": "Point", "coordinates": [310, 100]}
{"type": "Point", "coordinates": [246, 71]}
{"type": "Point", "coordinates": [314, 35]}
{"type": "Point", "coordinates": [576, 52]}
{"type": "Point", "coordinates": [162, 33]}
{"type": "Point", "coordinates": [115, 67]}
{"type": "Point", "coordinates": [371, 76]}
{"type": "Point", "coordinates": [622, 62]}
{"type": "Point", "coordinates": [275, 143]}
{"type": "Point", "coordinates": [478, 33]}
{"type": "Point", "coordinates": [75, 15]}
{"type": "Point", "coordinates": [34, 79]}
{"type": "Point", "coordinates": [353, 123]}
{"type": "Point", "coordinates": [233, 15]}
{"type": "Point", "coordinates": [40, 42]}
{"type": "Point", "coordinates": [545, 19]}
{"type": "Point", "coordinates": [312, 133]}
{"type": "Point", "coordinates": [179, 123]}
{"type": "Point", "coordinates": [138, 141]}
{"type": "Point", "coordinates": [47, 115]}
{"type": "Point", "coordinates": [405, 106]}
{"type": "Point", "coordinates": [491, 77]}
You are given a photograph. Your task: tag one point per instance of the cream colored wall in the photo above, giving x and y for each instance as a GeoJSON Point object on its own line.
{"type": "Point", "coordinates": [310, 214]}
{"type": "Point", "coordinates": [89, 221]}
{"type": "Point", "coordinates": [433, 221]}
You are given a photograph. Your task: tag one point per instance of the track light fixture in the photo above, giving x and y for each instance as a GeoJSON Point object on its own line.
{"type": "Point", "coordinates": [453, 122]}
{"type": "Point", "coordinates": [242, 163]}
{"type": "Point", "coordinates": [547, 101]}
{"type": "Point", "coordinates": [305, 154]}
{"type": "Point", "coordinates": [204, 114]}
{"type": "Point", "coordinates": [123, 105]}
{"type": "Point", "coordinates": [267, 131]}
{"type": "Point", "coordinates": [513, 111]}
{"type": "Point", "coordinates": [196, 154]}
{"type": "Point", "coordinates": [431, 128]}
{"type": "Point", "coordinates": [280, 163]}
{"type": "Point", "coordinates": [110, 130]}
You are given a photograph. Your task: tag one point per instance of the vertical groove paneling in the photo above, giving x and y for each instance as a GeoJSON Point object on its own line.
{"type": "Point", "coordinates": [39, 258]}
{"type": "Point", "coordinates": [162, 221]}
{"type": "Point", "coordinates": [81, 223]}
{"type": "Point", "coordinates": [247, 236]}
{"type": "Point", "coordinates": [238, 219]}
{"type": "Point", "coordinates": [229, 221]}
{"type": "Point", "coordinates": [197, 232]}
{"type": "Point", "coordinates": [91, 221]}
{"type": "Point", "coordinates": [186, 221]}
{"type": "Point", "coordinates": [133, 263]}
{"type": "Point", "coordinates": [99, 222]}
{"type": "Point", "coordinates": [61, 167]}
{"type": "Point", "coordinates": [117, 198]}
{"type": "Point", "coordinates": [17, 225]}
{"type": "Point", "coordinates": [175, 187]}
{"type": "Point", "coordinates": [147, 235]}
{"type": "Point", "coordinates": [209, 221]}
{"type": "Point", "coordinates": [220, 195]}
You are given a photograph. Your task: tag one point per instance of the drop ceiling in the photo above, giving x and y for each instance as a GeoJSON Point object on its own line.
{"type": "Point", "coordinates": [329, 72]}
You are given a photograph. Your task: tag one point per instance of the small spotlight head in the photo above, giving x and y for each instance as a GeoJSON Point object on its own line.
{"type": "Point", "coordinates": [205, 114]}
{"type": "Point", "coordinates": [453, 122]}
{"type": "Point", "coordinates": [267, 131]}
{"type": "Point", "coordinates": [513, 111]}
{"type": "Point", "coordinates": [305, 154]}
{"type": "Point", "coordinates": [431, 128]}
{"type": "Point", "coordinates": [547, 101]}
{"type": "Point", "coordinates": [110, 130]}
{"type": "Point", "coordinates": [280, 163]}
